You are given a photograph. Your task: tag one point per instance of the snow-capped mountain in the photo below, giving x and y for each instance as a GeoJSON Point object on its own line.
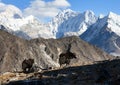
{"type": "Point", "coordinates": [69, 23]}
{"type": "Point", "coordinates": [105, 33]}
{"type": "Point", "coordinates": [66, 23]}
{"type": "Point", "coordinates": [9, 11]}
{"type": "Point", "coordinates": [26, 27]}
{"type": "Point", "coordinates": [34, 29]}
{"type": "Point", "coordinates": [9, 15]}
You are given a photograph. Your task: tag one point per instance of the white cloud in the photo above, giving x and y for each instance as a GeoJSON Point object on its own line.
{"type": "Point", "coordinates": [61, 3]}
{"type": "Point", "coordinates": [43, 10]}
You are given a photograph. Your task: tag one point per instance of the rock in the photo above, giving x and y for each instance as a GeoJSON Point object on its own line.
{"type": "Point", "coordinates": [78, 75]}
{"type": "Point", "coordinates": [45, 52]}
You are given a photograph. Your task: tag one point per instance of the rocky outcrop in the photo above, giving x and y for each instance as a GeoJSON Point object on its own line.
{"type": "Point", "coordinates": [45, 52]}
{"type": "Point", "coordinates": [103, 73]}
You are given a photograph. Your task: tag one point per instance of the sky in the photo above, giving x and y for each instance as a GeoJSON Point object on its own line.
{"type": "Point", "coordinates": [44, 9]}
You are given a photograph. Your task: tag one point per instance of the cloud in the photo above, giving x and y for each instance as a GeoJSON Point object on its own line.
{"type": "Point", "coordinates": [61, 3]}
{"type": "Point", "coordinates": [43, 9]}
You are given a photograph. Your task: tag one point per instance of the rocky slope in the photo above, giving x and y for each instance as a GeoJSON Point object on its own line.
{"type": "Point", "coordinates": [100, 73]}
{"type": "Point", "coordinates": [46, 53]}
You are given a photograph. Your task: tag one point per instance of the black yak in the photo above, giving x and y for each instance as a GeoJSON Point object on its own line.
{"type": "Point", "coordinates": [64, 58]}
{"type": "Point", "coordinates": [27, 65]}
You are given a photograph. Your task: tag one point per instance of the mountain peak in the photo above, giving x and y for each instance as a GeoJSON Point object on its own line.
{"type": "Point", "coordinates": [66, 13]}
{"type": "Point", "coordinates": [89, 12]}
{"type": "Point", "coordinates": [113, 15]}
{"type": "Point", "coordinates": [89, 16]}
{"type": "Point", "coordinates": [114, 23]}
{"type": "Point", "coordinates": [101, 16]}
{"type": "Point", "coordinates": [67, 10]}
{"type": "Point", "coordinates": [30, 18]}
{"type": "Point", "coordinates": [10, 11]}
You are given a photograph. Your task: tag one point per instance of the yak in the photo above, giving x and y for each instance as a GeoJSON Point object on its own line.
{"type": "Point", "coordinates": [64, 58]}
{"type": "Point", "coordinates": [27, 65]}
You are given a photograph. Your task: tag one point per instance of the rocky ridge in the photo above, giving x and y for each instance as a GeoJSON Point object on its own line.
{"type": "Point", "coordinates": [46, 52]}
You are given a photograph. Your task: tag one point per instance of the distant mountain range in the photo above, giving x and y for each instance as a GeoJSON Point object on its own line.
{"type": "Point", "coordinates": [103, 32]}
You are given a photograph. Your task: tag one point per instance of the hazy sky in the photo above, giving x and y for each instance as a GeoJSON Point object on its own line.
{"type": "Point", "coordinates": [49, 8]}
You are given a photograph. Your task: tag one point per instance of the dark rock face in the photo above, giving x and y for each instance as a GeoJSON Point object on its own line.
{"type": "Point", "coordinates": [103, 76]}
{"type": "Point", "coordinates": [102, 73]}
{"type": "Point", "coordinates": [27, 82]}
{"type": "Point", "coordinates": [46, 53]}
